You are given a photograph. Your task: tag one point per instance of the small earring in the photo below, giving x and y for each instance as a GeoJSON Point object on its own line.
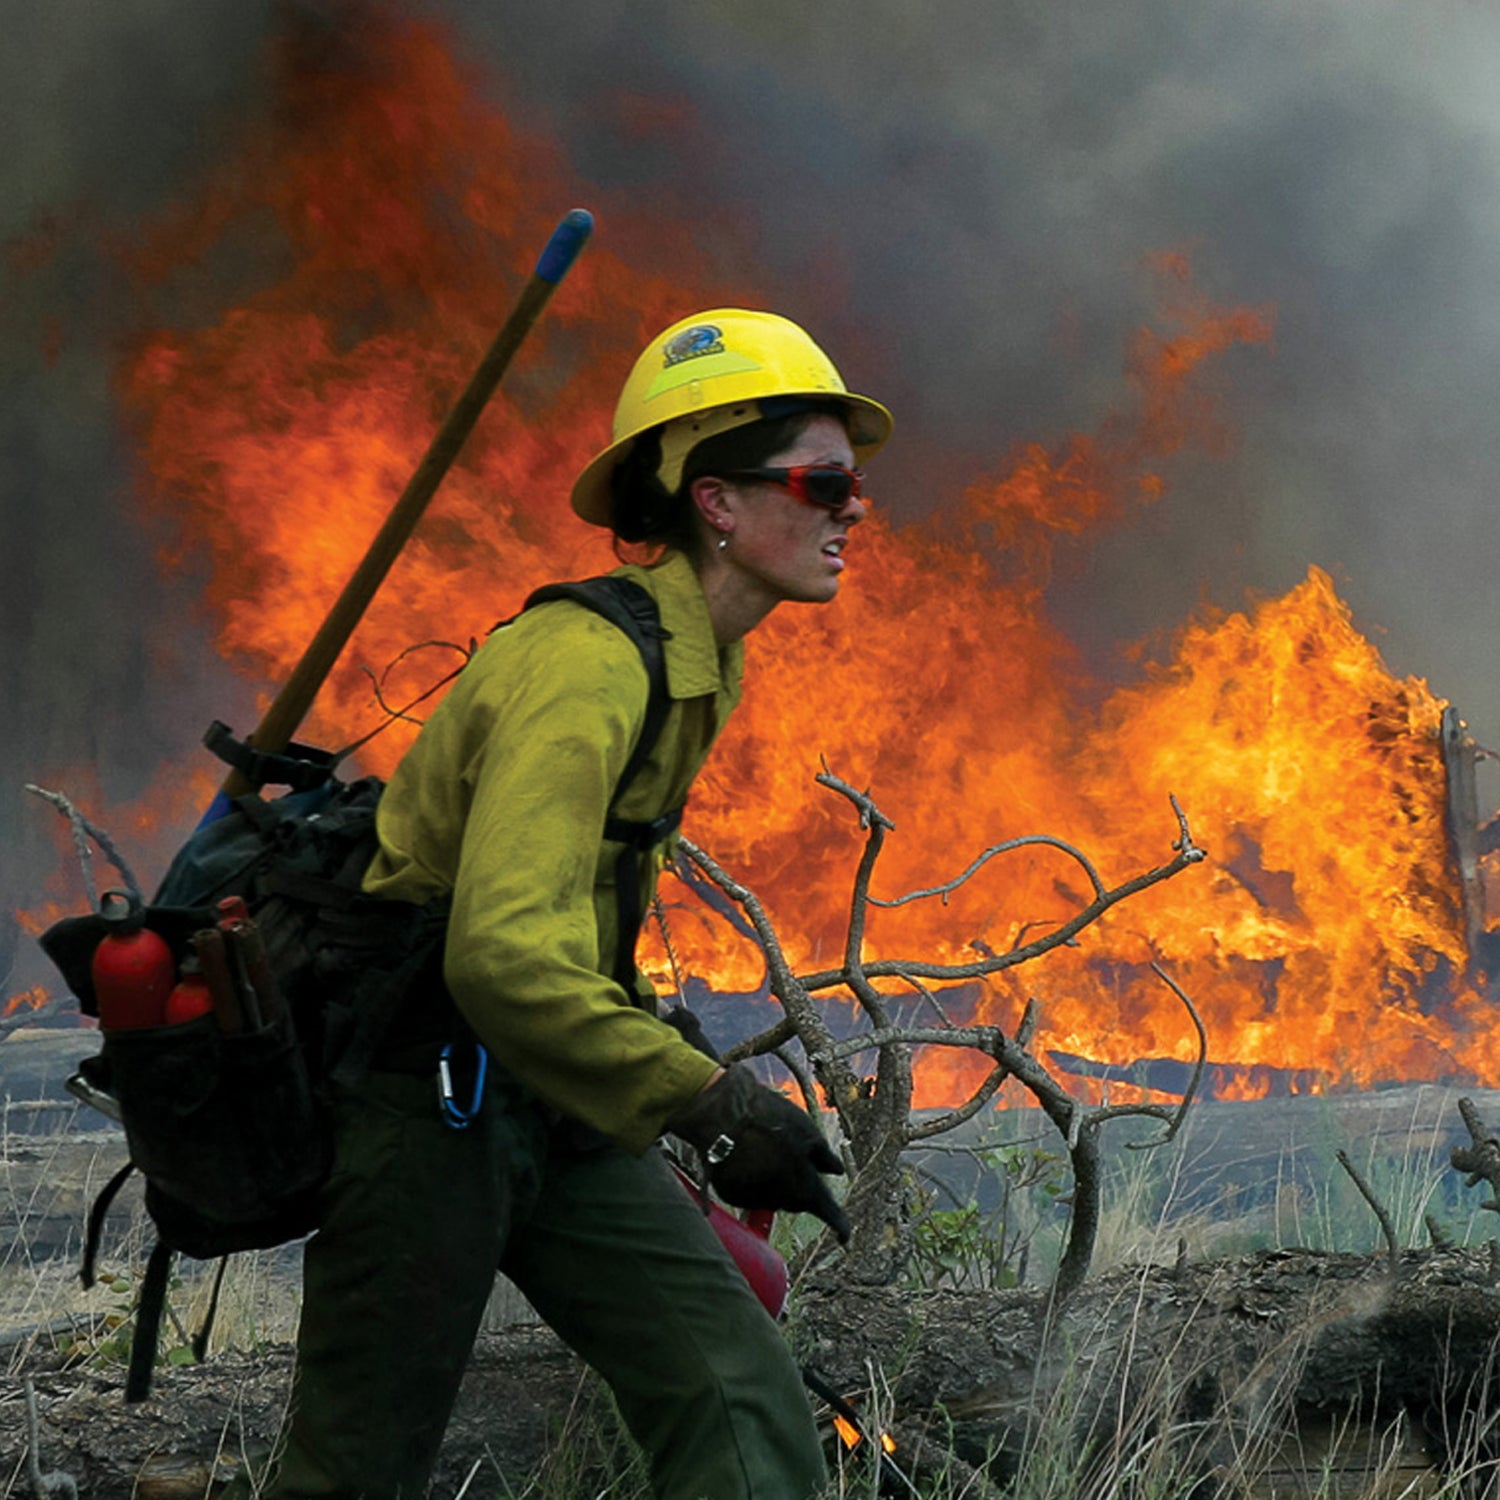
{"type": "Point", "coordinates": [724, 543]}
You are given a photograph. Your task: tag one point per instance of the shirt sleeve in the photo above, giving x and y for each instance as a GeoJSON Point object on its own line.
{"type": "Point", "coordinates": [550, 737]}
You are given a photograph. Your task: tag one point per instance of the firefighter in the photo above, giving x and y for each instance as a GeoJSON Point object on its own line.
{"type": "Point", "coordinates": [734, 460]}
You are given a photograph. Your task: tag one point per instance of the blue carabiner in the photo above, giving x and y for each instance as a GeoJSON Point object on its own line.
{"type": "Point", "coordinates": [455, 1116]}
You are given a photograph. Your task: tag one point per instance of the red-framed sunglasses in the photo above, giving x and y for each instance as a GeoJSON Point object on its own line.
{"type": "Point", "coordinates": [831, 486]}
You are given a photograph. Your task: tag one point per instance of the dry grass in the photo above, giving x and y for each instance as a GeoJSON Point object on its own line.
{"type": "Point", "coordinates": [1148, 1441]}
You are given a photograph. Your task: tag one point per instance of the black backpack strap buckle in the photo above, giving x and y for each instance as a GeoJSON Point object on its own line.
{"type": "Point", "coordinates": [300, 767]}
{"type": "Point", "coordinates": [642, 836]}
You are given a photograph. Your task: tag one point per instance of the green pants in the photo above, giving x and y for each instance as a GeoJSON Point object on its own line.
{"type": "Point", "coordinates": [607, 1247]}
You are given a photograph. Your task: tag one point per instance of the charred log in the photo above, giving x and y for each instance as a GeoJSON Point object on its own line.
{"type": "Point", "coordinates": [1460, 757]}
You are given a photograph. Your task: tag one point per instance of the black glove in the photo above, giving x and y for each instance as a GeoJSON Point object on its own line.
{"type": "Point", "coordinates": [760, 1150]}
{"type": "Point", "coordinates": [690, 1029]}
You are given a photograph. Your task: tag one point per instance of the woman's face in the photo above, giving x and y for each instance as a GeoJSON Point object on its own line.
{"type": "Point", "coordinates": [790, 548]}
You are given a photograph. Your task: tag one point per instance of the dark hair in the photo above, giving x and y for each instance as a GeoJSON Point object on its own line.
{"type": "Point", "coordinates": [643, 513]}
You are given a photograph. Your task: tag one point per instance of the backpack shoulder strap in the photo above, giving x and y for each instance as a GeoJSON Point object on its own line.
{"type": "Point", "coordinates": [626, 605]}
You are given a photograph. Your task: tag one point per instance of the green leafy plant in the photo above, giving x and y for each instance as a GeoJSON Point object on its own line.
{"type": "Point", "coordinates": [967, 1245]}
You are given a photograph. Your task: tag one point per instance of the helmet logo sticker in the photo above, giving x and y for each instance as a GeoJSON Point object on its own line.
{"type": "Point", "coordinates": [693, 343]}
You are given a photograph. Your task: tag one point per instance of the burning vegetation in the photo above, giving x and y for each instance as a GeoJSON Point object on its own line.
{"type": "Point", "coordinates": [1324, 942]}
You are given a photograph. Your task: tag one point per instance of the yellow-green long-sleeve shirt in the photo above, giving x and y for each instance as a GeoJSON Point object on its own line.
{"type": "Point", "coordinates": [502, 802]}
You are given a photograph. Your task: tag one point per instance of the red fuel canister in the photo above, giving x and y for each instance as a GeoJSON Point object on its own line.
{"type": "Point", "coordinates": [133, 970]}
{"type": "Point", "coordinates": [749, 1245]}
{"type": "Point", "coordinates": [190, 997]}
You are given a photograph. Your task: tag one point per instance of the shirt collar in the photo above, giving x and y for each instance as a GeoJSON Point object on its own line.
{"type": "Point", "coordinates": [695, 664]}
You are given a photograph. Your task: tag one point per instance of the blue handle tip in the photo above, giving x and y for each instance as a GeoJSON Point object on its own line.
{"type": "Point", "coordinates": [562, 249]}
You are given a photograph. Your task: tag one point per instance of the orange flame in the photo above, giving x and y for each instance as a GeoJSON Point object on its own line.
{"type": "Point", "coordinates": [1324, 938]}
{"type": "Point", "coordinates": [36, 920]}
{"type": "Point", "coordinates": [32, 999]}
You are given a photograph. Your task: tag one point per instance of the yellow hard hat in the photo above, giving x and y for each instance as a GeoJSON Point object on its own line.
{"type": "Point", "coordinates": [708, 372]}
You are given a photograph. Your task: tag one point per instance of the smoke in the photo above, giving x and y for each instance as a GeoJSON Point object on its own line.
{"type": "Point", "coordinates": [975, 187]}
{"type": "Point", "coordinates": [986, 181]}
{"type": "Point", "coordinates": [960, 201]}
{"type": "Point", "coordinates": [108, 112]}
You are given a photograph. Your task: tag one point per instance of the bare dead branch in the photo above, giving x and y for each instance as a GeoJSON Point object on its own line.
{"type": "Point", "coordinates": [1174, 1114]}
{"type": "Point", "coordinates": [789, 1060]}
{"type": "Point", "coordinates": [767, 1041]}
{"type": "Point", "coordinates": [1030, 1019]}
{"type": "Point", "coordinates": [978, 1148]}
{"type": "Point", "coordinates": [930, 998]}
{"type": "Point", "coordinates": [804, 1017]}
{"type": "Point", "coordinates": [1188, 853]}
{"type": "Point", "coordinates": [378, 693]}
{"type": "Point", "coordinates": [948, 887]}
{"type": "Point", "coordinates": [1021, 932]}
{"type": "Point", "coordinates": [876, 825]}
{"type": "Point", "coordinates": [377, 685]}
{"type": "Point", "coordinates": [870, 999]}
{"type": "Point", "coordinates": [1185, 844]}
{"type": "Point", "coordinates": [1191, 1092]}
{"type": "Point", "coordinates": [83, 831]}
{"type": "Point", "coordinates": [984, 1038]}
{"type": "Point", "coordinates": [1080, 1128]}
{"type": "Point", "coordinates": [870, 816]}
{"type": "Point", "coordinates": [1140, 1108]}
{"type": "Point", "coordinates": [780, 972]}
{"type": "Point", "coordinates": [965, 1111]}
{"type": "Point", "coordinates": [57, 1484]}
{"type": "Point", "coordinates": [659, 911]}
{"type": "Point", "coordinates": [1481, 1160]}
{"type": "Point", "coordinates": [1387, 1228]}
{"type": "Point", "coordinates": [715, 900]}
{"type": "Point", "coordinates": [876, 1112]}
{"type": "Point", "coordinates": [888, 1111]}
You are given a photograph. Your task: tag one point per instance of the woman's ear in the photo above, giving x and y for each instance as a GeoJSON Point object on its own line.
{"type": "Point", "coordinates": [711, 498]}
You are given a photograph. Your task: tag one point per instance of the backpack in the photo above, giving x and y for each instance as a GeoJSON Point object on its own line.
{"type": "Point", "coordinates": [230, 1132]}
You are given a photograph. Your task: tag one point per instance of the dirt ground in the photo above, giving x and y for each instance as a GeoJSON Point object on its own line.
{"type": "Point", "coordinates": [1276, 1347]}
{"type": "Point", "coordinates": [1273, 1347]}
{"type": "Point", "coordinates": [202, 1422]}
